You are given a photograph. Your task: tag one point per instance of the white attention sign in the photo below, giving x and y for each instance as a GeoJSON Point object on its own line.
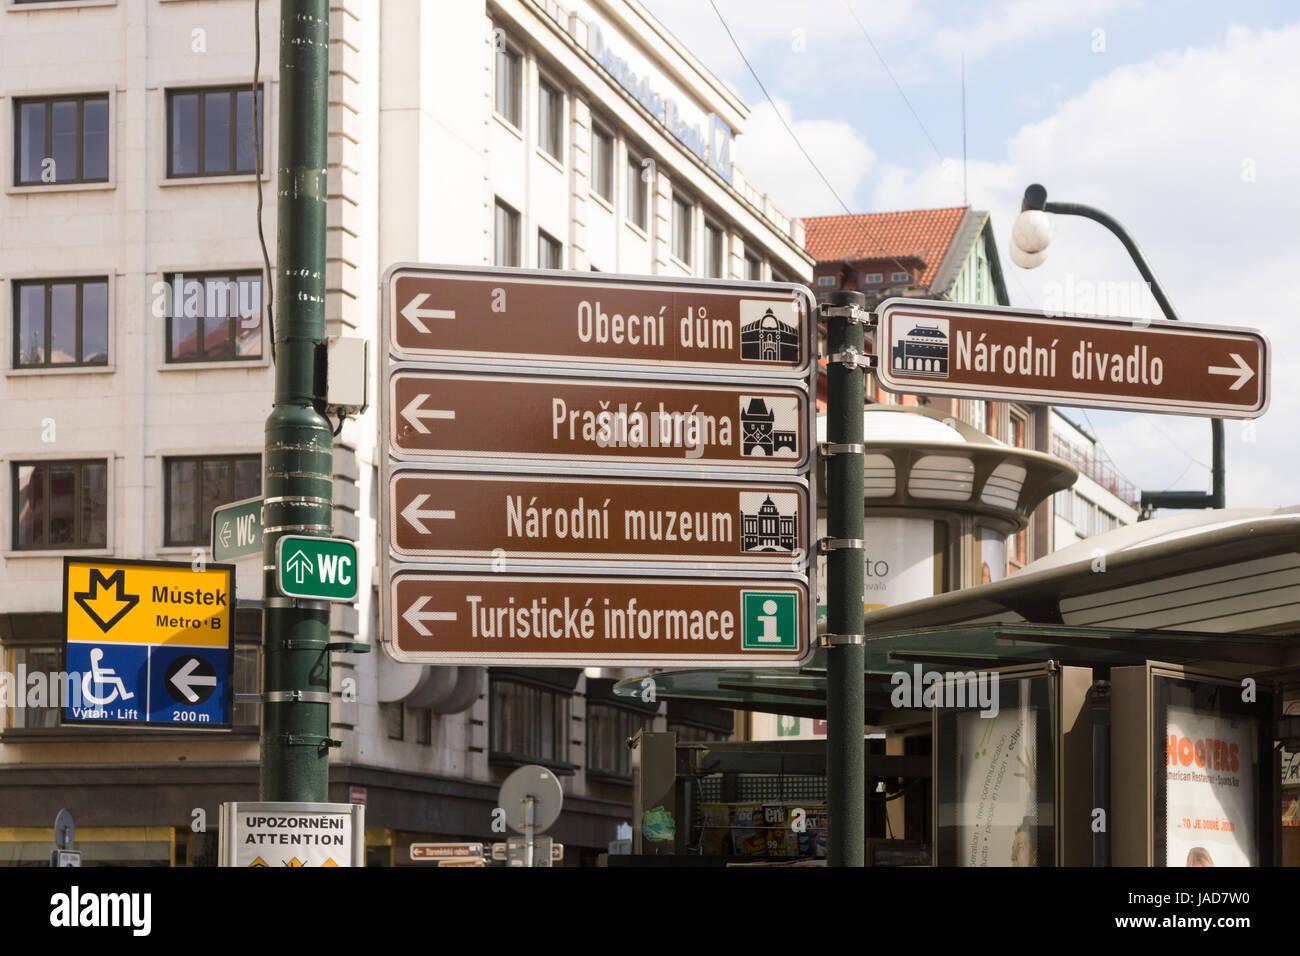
{"type": "Point", "coordinates": [292, 834]}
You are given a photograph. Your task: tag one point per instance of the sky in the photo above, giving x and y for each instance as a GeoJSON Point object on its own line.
{"type": "Point", "coordinates": [1180, 119]}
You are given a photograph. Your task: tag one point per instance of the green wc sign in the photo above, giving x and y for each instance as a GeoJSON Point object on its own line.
{"type": "Point", "coordinates": [322, 569]}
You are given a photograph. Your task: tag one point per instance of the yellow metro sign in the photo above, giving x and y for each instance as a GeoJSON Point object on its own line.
{"type": "Point", "coordinates": [148, 602]}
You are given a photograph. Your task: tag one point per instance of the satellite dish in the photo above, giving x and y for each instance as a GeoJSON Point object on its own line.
{"type": "Point", "coordinates": [65, 830]}
{"type": "Point", "coordinates": [543, 786]}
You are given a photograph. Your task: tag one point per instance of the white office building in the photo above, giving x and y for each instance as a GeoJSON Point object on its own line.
{"type": "Point", "coordinates": [1101, 500]}
{"type": "Point", "coordinates": [507, 132]}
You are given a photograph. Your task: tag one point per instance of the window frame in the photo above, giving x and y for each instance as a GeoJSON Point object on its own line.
{"type": "Point", "coordinates": [18, 283]}
{"type": "Point", "coordinates": [545, 240]}
{"type": "Point", "coordinates": [685, 208]}
{"type": "Point", "coordinates": [203, 523]}
{"type": "Point", "coordinates": [546, 695]}
{"type": "Point", "coordinates": [45, 545]}
{"type": "Point", "coordinates": [545, 131]}
{"type": "Point", "coordinates": [715, 235]}
{"type": "Point", "coordinates": [900, 277]}
{"type": "Point", "coordinates": [512, 53]}
{"type": "Point", "coordinates": [873, 278]}
{"type": "Point", "coordinates": [753, 267]}
{"type": "Point", "coordinates": [231, 275]}
{"type": "Point", "coordinates": [515, 219]}
{"type": "Point", "coordinates": [627, 721]}
{"type": "Point", "coordinates": [233, 90]}
{"type": "Point", "coordinates": [638, 194]}
{"type": "Point", "coordinates": [48, 100]}
{"type": "Point", "coordinates": [598, 132]}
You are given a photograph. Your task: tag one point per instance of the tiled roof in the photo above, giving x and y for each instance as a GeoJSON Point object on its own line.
{"type": "Point", "coordinates": [922, 233]}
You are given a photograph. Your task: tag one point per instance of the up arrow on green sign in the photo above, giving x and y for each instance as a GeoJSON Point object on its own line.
{"type": "Point", "coordinates": [237, 529]}
{"type": "Point", "coordinates": [323, 569]}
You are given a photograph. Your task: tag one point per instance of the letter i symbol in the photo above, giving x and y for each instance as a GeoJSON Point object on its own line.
{"type": "Point", "coordinates": [768, 619]}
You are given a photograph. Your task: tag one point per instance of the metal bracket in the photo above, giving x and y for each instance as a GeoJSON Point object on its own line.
{"type": "Point", "coordinates": [852, 313]}
{"type": "Point", "coordinates": [348, 647]}
{"type": "Point", "coordinates": [840, 544]}
{"type": "Point", "coordinates": [295, 697]}
{"type": "Point", "coordinates": [841, 640]}
{"type": "Point", "coordinates": [309, 740]}
{"type": "Point", "coordinates": [831, 449]}
{"type": "Point", "coordinates": [853, 359]}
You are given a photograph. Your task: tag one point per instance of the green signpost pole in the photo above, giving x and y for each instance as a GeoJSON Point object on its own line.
{"type": "Point", "coordinates": [845, 753]}
{"type": "Point", "coordinates": [294, 764]}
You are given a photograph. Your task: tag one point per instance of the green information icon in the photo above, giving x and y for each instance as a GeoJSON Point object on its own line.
{"type": "Point", "coordinates": [769, 621]}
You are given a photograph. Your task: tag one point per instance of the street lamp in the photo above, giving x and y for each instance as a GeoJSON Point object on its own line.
{"type": "Point", "coordinates": [1030, 236]}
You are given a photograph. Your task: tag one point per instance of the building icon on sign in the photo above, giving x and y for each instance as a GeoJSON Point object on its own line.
{"type": "Point", "coordinates": [768, 339]}
{"type": "Point", "coordinates": [760, 434]}
{"type": "Point", "coordinates": [768, 528]}
{"type": "Point", "coordinates": [922, 351]}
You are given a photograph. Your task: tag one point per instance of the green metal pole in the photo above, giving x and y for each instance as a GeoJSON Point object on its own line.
{"type": "Point", "coordinates": [298, 463]}
{"type": "Point", "coordinates": [845, 703]}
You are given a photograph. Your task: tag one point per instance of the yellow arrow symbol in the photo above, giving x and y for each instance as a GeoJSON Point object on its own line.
{"type": "Point", "coordinates": [103, 610]}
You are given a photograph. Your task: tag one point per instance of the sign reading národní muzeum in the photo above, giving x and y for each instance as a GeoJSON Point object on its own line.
{"type": "Point", "coordinates": [596, 469]}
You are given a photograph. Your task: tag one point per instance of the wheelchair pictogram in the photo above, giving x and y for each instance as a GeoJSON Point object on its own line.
{"type": "Point", "coordinates": [100, 677]}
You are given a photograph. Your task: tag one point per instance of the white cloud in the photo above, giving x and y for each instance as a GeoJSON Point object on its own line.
{"type": "Point", "coordinates": [773, 163]}
{"type": "Point", "coordinates": [1194, 152]}
{"type": "Point", "coordinates": [1019, 20]}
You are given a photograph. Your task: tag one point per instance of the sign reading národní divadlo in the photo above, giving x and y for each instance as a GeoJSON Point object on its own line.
{"type": "Point", "coordinates": [292, 834]}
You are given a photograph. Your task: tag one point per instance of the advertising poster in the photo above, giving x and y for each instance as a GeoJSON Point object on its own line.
{"type": "Point", "coordinates": [1210, 789]}
{"type": "Point", "coordinates": [997, 792]}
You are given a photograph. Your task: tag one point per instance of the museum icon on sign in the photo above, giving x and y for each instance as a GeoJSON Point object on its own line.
{"type": "Point", "coordinates": [764, 337]}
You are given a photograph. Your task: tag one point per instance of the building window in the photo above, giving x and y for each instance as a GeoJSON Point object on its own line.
{"type": "Point", "coordinates": [713, 251]}
{"type": "Point", "coordinates": [608, 729]}
{"type": "Point", "coordinates": [827, 282]}
{"type": "Point", "coordinates": [60, 504]}
{"type": "Point", "coordinates": [395, 719]}
{"type": "Point", "coordinates": [550, 119]}
{"type": "Point", "coordinates": [44, 659]}
{"type": "Point", "coordinates": [693, 733]}
{"type": "Point", "coordinates": [873, 278]}
{"type": "Point", "coordinates": [506, 235]}
{"type": "Point", "coordinates": [550, 252]}
{"type": "Point", "coordinates": [424, 727]}
{"type": "Point", "coordinates": [682, 212]}
{"type": "Point", "coordinates": [979, 415]}
{"type": "Point", "coordinates": [194, 486]}
{"type": "Point", "coordinates": [248, 680]}
{"type": "Point", "coordinates": [60, 322]}
{"type": "Point", "coordinates": [898, 277]}
{"type": "Point", "coordinates": [636, 193]}
{"type": "Point", "coordinates": [529, 722]}
{"type": "Point", "coordinates": [214, 317]}
{"type": "Point", "coordinates": [602, 163]}
{"type": "Point", "coordinates": [509, 74]}
{"type": "Point", "coordinates": [61, 140]}
{"type": "Point", "coordinates": [753, 268]}
{"type": "Point", "coordinates": [211, 132]}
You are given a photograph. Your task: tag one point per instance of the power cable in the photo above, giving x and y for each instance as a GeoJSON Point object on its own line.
{"type": "Point", "coordinates": [855, 217]}
{"type": "Point", "coordinates": [897, 85]}
{"type": "Point", "coordinates": [257, 147]}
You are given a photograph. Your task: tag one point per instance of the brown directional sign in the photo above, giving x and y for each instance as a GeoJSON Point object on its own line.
{"type": "Point", "coordinates": [593, 320]}
{"type": "Point", "coordinates": [446, 851]}
{"type": "Point", "coordinates": [452, 415]}
{"type": "Point", "coordinates": [507, 519]}
{"type": "Point", "coordinates": [934, 348]}
{"type": "Point", "coordinates": [615, 622]}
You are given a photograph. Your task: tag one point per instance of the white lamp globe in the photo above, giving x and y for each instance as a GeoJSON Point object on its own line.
{"type": "Point", "coordinates": [1027, 260]}
{"type": "Point", "coordinates": [1032, 231]}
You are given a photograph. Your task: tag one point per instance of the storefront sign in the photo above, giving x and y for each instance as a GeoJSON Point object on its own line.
{"type": "Point", "coordinates": [292, 834]}
{"type": "Point", "coordinates": [1210, 782]}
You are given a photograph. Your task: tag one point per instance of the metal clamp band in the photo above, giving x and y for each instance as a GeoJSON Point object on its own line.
{"type": "Point", "coordinates": [295, 697]}
{"type": "Point", "coordinates": [853, 359]}
{"type": "Point", "coordinates": [303, 603]}
{"type": "Point", "coordinates": [840, 640]}
{"type": "Point", "coordinates": [840, 544]}
{"type": "Point", "coordinates": [310, 499]}
{"type": "Point", "coordinates": [830, 449]}
{"type": "Point", "coordinates": [327, 528]}
{"type": "Point", "coordinates": [855, 315]}
{"type": "Point", "coordinates": [308, 740]}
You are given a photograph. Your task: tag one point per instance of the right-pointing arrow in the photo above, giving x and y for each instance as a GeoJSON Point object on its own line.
{"type": "Point", "coordinates": [415, 614]}
{"type": "Point", "coordinates": [413, 513]}
{"type": "Point", "coordinates": [414, 412]}
{"type": "Point", "coordinates": [1243, 371]}
{"type": "Point", "coordinates": [413, 313]}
